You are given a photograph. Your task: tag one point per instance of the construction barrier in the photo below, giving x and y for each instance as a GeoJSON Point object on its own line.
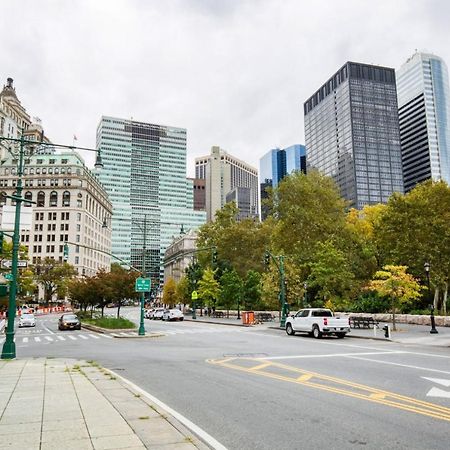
{"type": "Point", "coordinates": [248, 317]}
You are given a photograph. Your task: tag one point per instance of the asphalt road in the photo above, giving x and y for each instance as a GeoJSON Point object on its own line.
{"type": "Point", "coordinates": [260, 389]}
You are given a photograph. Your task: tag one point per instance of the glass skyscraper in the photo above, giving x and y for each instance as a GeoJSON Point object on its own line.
{"type": "Point", "coordinates": [145, 176]}
{"type": "Point", "coordinates": [352, 133]}
{"type": "Point", "coordinates": [424, 113]}
{"type": "Point", "coordinates": [275, 165]}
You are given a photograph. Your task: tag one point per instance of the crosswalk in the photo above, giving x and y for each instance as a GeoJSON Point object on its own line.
{"type": "Point", "coordinates": [58, 338]}
{"type": "Point", "coordinates": [22, 339]}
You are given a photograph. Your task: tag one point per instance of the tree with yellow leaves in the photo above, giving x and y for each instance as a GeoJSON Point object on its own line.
{"type": "Point", "coordinates": [394, 282]}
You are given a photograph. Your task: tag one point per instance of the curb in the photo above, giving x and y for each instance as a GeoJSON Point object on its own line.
{"type": "Point", "coordinates": [105, 330]}
{"type": "Point", "coordinates": [218, 323]}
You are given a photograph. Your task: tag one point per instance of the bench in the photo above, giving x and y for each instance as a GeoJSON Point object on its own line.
{"type": "Point", "coordinates": [218, 314]}
{"type": "Point", "coordinates": [265, 317]}
{"type": "Point", "coordinates": [362, 322]}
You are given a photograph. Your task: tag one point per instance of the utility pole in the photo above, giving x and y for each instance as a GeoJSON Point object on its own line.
{"type": "Point", "coordinates": [279, 262]}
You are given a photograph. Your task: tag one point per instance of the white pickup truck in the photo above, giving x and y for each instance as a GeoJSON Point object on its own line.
{"type": "Point", "coordinates": [317, 322]}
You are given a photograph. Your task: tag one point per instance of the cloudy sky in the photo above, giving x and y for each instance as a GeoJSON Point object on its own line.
{"type": "Point", "coordinates": [235, 73]}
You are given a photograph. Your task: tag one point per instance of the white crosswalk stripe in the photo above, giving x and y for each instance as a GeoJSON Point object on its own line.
{"type": "Point", "coordinates": [93, 336]}
{"type": "Point", "coordinates": [82, 336]}
{"type": "Point", "coordinates": [25, 340]}
{"type": "Point", "coordinates": [37, 339]}
{"type": "Point", "coordinates": [72, 337]}
{"type": "Point", "coordinates": [49, 338]}
{"type": "Point", "coordinates": [61, 338]}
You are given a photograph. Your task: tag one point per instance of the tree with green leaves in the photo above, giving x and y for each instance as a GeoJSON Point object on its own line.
{"type": "Point", "coordinates": [230, 289]}
{"type": "Point", "coordinates": [122, 282]}
{"type": "Point", "coordinates": [308, 209]}
{"type": "Point", "coordinates": [182, 291]}
{"type": "Point", "coordinates": [414, 229]}
{"type": "Point", "coordinates": [169, 292]}
{"type": "Point", "coordinates": [53, 276]}
{"type": "Point", "coordinates": [251, 290]}
{"type": "Point", "coordinates": [209, 288]}
{"type": "Point", "coordinates": [394, 282]}
{"type": "Point", "coordinates": [330, 274]}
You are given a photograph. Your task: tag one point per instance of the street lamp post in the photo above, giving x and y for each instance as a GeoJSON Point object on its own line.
{"type": "Point", "coordinates": [305, 294]}
{"type": "Point", "coordinates": [279, 262]}
{"type": "Point", "coordinates": [433, 324]}
{"type": "Point", "coordinates": [9, 347]}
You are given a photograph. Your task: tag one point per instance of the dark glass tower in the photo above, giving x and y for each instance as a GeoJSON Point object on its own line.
{"type": "Point", "coordinates": [352, 133]}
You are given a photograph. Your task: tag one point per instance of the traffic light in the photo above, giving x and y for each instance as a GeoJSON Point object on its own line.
{"type": "Point", "coordinates": [266, 259]}
{"type": "Point", "coordinates": [214, 256]}
{"type": "Point", "coordinates": [66, 252]}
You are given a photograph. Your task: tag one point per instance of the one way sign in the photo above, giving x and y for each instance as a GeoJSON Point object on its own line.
{"type": "Point", "coordinates": [7, 263]}
{"type": "Point", "coordinates": [436, 392]}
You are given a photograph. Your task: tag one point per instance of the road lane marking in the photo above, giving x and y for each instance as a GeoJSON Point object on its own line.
{"type": "Point", "coordinates": [82, 336]}
{"type": "Point", "coordinates": [339, 386]}
{"type": "Point", "coordinates": [399, 364]}
{"type": "Point", "coordinates": [106, 336]}
{"type": "Point", "coordinates": [330, 355]}
{"type": "Point", "coordinates": [440, 381]}
{"type": "Point", "coordinates": [43, 326]}
{"type": "Point", "coordinates": [61, 338]}
{"type": "Point", "coordinates": [261, 366]}
{"type": "Point", "coordinates": [72, 337]}
{"type": "Point", "coordinates": [25, 340]}
{"type": "Point", "coordinates": [49, 338]}
{"type": "Point", "coordinates": [93, 336]}
{"type": "Point", "coordinates": [37, 339]}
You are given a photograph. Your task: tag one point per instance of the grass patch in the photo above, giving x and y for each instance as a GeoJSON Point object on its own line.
{"type": "Point", "coordinates": [112, 323]}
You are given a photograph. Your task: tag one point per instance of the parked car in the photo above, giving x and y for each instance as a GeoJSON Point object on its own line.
{"type": "Point", "coordinates": [317, 322]}
{"type": "Point", "coordinates": [172, 314]}
{"type": "Point", "coordinates": [69, 322]}
{"type": "Point", "coordinates": [158, 314]}
{"type": "Point", "coordinates": [149, 313]}
{"type": "Point", "coordinates": [27, 320]}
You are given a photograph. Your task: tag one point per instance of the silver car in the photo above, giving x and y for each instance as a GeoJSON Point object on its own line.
{"type": "Point", "coordinates": [27, 320]}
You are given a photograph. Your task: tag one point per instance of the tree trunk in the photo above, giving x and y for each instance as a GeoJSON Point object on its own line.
{"type": "Point", "coordinates": [394, 328]}
{"type": "Point", "coordinates": [436, 299]}
{"type": "Point", "coordinates": [103, 308]}
{"type": "Point", "coordinates": [92, 310]}
{"type": "Point", "coordinates": [444, 305]}
{"type": "Point", "coordinates": [118, 310]}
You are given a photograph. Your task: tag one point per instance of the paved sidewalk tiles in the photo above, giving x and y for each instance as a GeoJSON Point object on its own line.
{"type": "Point", "coordinates": [53, 404]}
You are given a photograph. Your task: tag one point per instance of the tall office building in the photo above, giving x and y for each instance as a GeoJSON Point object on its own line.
{"type": "Point", "coordinates": [275, 165]}
{"type": "Point", "coordinates": [424, 114]}
{"type": "Point", "coordinates": [352, 133]}
{"type": "Point", "coordinates": [223, 173]}
{"type": "Point", "coordinates": [145, 176]}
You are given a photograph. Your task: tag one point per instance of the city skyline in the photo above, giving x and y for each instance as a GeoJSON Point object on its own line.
{"type": "Point", "coordinates": [212, 67]}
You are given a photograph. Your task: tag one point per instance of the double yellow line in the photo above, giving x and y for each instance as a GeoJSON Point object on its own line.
{"type": "Point", "coordinates": [335, 385]}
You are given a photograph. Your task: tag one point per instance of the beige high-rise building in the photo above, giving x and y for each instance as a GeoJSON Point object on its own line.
{"type": "Point", "coordinates": [70, 206]}
{"type": "Point", "coordinates": [223, 173]}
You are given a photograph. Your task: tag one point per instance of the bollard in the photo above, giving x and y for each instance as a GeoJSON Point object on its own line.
{"type": "Point", "coordinates": [387, 331]}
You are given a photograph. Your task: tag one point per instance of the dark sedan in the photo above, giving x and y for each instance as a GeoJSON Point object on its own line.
{"type": "Point", "coordinates": [69, 322]}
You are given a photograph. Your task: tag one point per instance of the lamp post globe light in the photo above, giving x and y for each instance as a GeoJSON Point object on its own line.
{"type": "Point", "coordinates": [433, 330]}
{"type": "Point", "coordinates": [22, 149]}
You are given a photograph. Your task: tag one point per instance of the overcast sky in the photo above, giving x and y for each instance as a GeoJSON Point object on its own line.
{"type": "Point", "coordinates": [235, 73]}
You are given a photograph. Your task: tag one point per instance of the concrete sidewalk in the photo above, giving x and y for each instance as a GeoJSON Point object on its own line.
{"type": "Point", "coordinates": [53, 404]}
{"type": "Point", "coordinates": [405, 334]}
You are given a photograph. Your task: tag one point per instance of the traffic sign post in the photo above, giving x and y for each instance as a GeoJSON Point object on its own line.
{"type": "Point", "coordinates": [194, 297]}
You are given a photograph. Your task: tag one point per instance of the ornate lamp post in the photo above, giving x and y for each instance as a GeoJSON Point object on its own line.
{"type": "Point", "coordinates": [433, 325]}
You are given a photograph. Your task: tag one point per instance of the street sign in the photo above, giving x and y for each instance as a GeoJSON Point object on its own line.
{"type": "Point", "coordinates": [194, 295]}
{"type": "Point", "coordinates": [142, 285]}
{"type": "Point", "coordinates": [7, 263]}
{"type": "Point", "coordinates": [8, 276]}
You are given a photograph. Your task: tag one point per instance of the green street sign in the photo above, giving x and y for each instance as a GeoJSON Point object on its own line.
{"type": "Point", "coordinates": [8, 276]}
{"type": "Point", "coordinates": [194, 295]}
{"type": "Point", "coordinates": [142, 285]}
